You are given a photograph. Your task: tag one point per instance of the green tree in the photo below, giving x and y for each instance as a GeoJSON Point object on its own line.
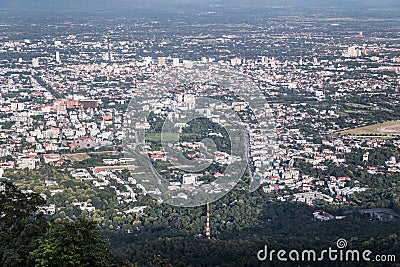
{"type": "Point", "coordinates": [73, 244]}
{"type": "Point", "coordinates": [20, 224]}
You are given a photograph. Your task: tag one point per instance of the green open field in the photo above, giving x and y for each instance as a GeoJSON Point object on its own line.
{"type": "Point", "coordinates": [156, 137]}
{"type": "Point", "coordinates": [77, 157]}
{"type": "Point", "coordinates": [391, 128]}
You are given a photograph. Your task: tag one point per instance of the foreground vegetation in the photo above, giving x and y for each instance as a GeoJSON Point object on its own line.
{"type": "Point", "coordinates": [28, 239]}
{"type": "Point", "coordinates": [241, 224]}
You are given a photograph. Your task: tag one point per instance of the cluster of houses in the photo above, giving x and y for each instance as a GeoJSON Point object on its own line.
{"type": "Point", "coordinates": [46, 113]}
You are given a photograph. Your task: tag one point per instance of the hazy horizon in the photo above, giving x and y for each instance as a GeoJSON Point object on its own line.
{"type": "Point", "coordinates": [155, 4]}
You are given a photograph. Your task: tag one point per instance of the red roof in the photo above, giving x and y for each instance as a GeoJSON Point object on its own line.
{"type": "Point", "coordinates": [52, 156]}
{"type": "Point", "coordinates": [120, 167]}
{"type": "Point", "coordinates": [157, 156]}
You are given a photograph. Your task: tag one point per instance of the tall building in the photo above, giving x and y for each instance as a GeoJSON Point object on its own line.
{"type": "Point", "coordinates": [189, 101]}
{"type": "Point", "coordinates": [352, 51]}
{"type": "Point", "coordinates": [109, 56]}
{"type": "Point", "coordinates": [175, 62]}
{"type": "Point", "coordinates": [162, 61]}
{"type": "Point", "coordinates": [148, 60]}
{"type": "Point", "coordinates": [264, 60]}
{"type": "Point", "coordinates": [356, 51]}
{"type": "Point", "coordinates": [58, 60]}
{"type": "Point", "coordinates": [35, 62]}
{"type": "Point", "coordinates": [236, 61]}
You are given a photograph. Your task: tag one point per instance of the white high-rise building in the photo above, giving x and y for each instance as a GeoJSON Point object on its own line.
{"type": "Point", "coordinates": [190, 101]}
{"type": "Point", "coordinates": [236, 61]}
{"type": "Point", "coordinates": [352, 51]}
{"type": "Point", "coordinates": [148, 60]}
{"type": "Point", "coordinates": [355, 51]}
{"type": "Point", "coordinates": [58, 60]}
{"type": "Point", "coordinates": [35, 62]}
{"type": "Point", "coordinates": [175, 62]}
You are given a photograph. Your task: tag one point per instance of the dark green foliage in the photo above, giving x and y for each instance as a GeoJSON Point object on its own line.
{"type": "Point", "coordinates": [281, 226]}
{"type": "Point", "coordinates": [73, 244]}
{"type": "Point", "coordinates": [23, 239]}
{"type": "Point", "coordinates": [20, 225]}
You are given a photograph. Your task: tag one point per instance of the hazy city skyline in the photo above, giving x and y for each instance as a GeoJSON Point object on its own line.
{"type": "Point", "coordinates": [154, 4]}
